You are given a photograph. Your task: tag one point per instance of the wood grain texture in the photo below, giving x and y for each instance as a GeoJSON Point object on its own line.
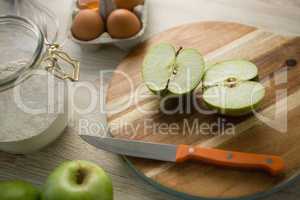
{"type": "Point", "coordinates": [217, 41]}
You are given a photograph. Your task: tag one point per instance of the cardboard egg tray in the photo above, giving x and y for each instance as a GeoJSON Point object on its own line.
{"type": "Point", "coordinates": [105, 39]}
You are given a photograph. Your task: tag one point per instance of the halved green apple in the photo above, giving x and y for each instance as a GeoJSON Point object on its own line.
{"type": "Point", "coordinates": [229, 88]}
{"type": "Point", "coordinates": [171, 71]}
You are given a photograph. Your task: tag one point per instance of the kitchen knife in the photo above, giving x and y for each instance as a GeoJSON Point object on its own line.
{"type": "Point", "coordinates": [181, 153]}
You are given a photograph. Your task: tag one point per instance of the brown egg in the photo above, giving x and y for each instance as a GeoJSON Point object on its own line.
{"type": "Point", "coordinates": [87, 25]}
{"type": "Point", "coordinates": [122, 23]}
{"type": "Point", "coordinates": [128, 4]}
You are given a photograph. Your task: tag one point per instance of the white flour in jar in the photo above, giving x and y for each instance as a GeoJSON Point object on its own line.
{"type": "Point", "coordinates": [10, 70]}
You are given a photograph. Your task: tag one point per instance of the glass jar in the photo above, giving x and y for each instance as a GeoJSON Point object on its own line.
{"type": "Point", "coordinates": [22, 45]}
{"type": "Point", "coordinates": [33, 101]}
{"type": "Point", "coordinates": [24, 48]}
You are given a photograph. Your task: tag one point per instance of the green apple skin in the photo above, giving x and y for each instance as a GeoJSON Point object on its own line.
{"type": "Point", "coordinates": [78, 180]}
{"type": "Point", "coordinates": [18, 190]}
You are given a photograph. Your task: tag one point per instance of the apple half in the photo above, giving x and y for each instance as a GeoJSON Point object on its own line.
{"type": "Point", "coordinates": [231, 89]}
{"type": "Point", "coordinates": [166, 70]}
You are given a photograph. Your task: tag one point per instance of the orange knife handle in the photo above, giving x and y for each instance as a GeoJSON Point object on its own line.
{"type": "Point", "coordinates": [272, 164]}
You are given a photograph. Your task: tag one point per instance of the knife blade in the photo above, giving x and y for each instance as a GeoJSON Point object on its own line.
{"type": "Point", "coordinates": [181, 153]}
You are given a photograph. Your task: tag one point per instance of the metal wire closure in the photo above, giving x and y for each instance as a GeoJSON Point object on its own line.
{"type": "Point", "coordinates": [54, 52]}
{"type": "Point", "coordinates": [51, 60]}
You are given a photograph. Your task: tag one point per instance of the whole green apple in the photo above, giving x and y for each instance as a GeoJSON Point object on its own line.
{"type": "Point", "coordinates": [78, 180]}
{"type": "Point", "coordinates": [18, 190]}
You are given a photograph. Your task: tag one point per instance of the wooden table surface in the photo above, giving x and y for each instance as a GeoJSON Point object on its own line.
{"type": "Point", "coordinates": [281, 16]}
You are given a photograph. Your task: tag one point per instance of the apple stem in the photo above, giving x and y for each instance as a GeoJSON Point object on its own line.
{"type": "Point", "coordinates": [80, 176]}
{"type": "Point", "coordinates": [178, 51]}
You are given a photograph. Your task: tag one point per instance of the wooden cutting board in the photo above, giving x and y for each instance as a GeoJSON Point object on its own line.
{"type": "Point", "coordinates": [135, 113]}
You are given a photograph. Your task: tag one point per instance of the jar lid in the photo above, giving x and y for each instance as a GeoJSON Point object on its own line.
{"type": "Point", "coordinates": [21, 45]}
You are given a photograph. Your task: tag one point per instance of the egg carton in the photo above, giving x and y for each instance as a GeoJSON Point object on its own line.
{"type": "Point", "coordinates": [105, 39]}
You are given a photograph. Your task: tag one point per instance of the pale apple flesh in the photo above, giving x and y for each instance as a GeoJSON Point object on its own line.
{"type": "Point", "coordinates": [177, 72]}
{"type": "Point", "coordinates": [229, 88]}
{"type": "Point", "coordinates": [158, 66]}
{"type": "Point", "coordinates": [235, 101]}
{"type": "Point", "coordinates": [188, 72]}
{"type": "Point", "coordinates": [243, 70]}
